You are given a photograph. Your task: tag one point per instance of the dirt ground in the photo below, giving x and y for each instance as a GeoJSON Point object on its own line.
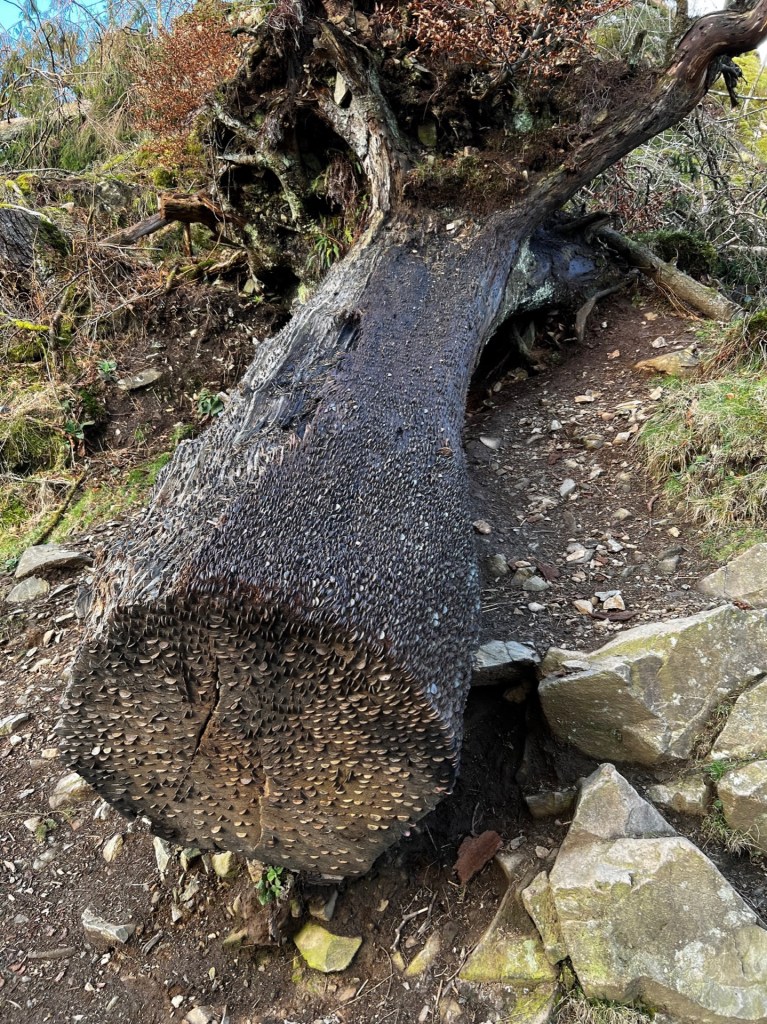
{"type": "Point", "coordinates": [527, 438]}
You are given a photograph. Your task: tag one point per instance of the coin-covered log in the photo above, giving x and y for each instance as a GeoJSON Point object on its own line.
{"type": "Point", "coordinates": [276, 655]}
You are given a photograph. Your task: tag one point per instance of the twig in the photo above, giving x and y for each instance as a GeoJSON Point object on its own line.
{"type": "Point", "coordinates": [401, 925]}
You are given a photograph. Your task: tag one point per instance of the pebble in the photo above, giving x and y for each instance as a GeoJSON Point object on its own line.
{"type": "Point", "coordinates": [70, 789]}
{"type": "Point", "coordinates": [497, 565]}
{"type": "Point", "coordinates": [535, 607]}
{"type": "Point", "coordinates": [583, 607]}
{"type": "Point", "coordinates": [535, 585]}
{"type": "Point", "coordinates": [224, 864]}
{"type": "Point", "coordinates": [621, 515]}
{"type": "Point", "coordinates": [567, 487]}
{"type": "Point", "coordinates": [100, 930]}
{"type": "Point", "coordinates": [162, 854]}
{"type": "Point", "coordinates": [112, 848]}
{"type": "Point", "coordinates": [29, 590]}
{"type": "Point", "coordinates": [482, 526]}
{"type": "Point", "coordinates": [493, 443]}
{"type": "Point", "coordinates": [614, 603]}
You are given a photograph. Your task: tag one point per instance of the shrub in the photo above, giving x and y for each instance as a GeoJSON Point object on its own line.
{"type": "Point", "coordinates": [176, 73]}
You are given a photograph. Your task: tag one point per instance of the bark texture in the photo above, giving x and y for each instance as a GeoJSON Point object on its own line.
{"type": "Point", "coordinates": [277, 658]}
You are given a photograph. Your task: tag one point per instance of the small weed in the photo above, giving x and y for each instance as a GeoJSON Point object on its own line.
{"type": "Point", "coordinates": [107, 369]}
{"type": "Point", "coordinates": [716, 770]}
{"type": "Point", "coordinates": [208, 404]}
{"type": "Point", "coordinates": [272, 885]}
{"type": "Point", "coordinates": [43, 830]}
{"type": "Point", "coordinates": [181, 432]}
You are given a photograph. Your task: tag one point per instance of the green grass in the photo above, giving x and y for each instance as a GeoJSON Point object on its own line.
{"type": "Point", "coordinates": [715, 828]}
{"type": "Point", "coordinates": [707, 445]}
{"type": "Point", "coordinates": [26, 506]}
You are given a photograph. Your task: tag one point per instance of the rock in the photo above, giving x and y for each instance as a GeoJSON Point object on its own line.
{"type": "Point", "coordinates": [583, 607]}
{"type": "Point", "coordinates": [11, 723]}
{"type": "Point", "coordinates": [646, 917]}
{"type": "Point", "coordinates": [200, 1015]}
{"type": "Point", "coordinates": [493, 443]}
{"type": "Point", "coordinates": [551, 803]}
{"type": "Point", "coordinates": [687, 796]}
{"type": "Point", "coordinates": [482, 527]}
{"type": "Point", "coordinates": [511, 953]}
{"type": "Point", "coordinates": [742, 579]}
{"type": "Point", "coordinates": [70, 789]}
{"type": "Point", "coordinates": [50, 556]}
{"type": "Point", "coordinates": [112, 848]}
{"type": "Point", "coordinates": [187, 856]}
{"type": "Point", "coordinates": [324, 951]}
{"type": "Point", "coordinates": [745, 733]}
{"type": "Point", "coordinates": [474, 852]}
{"type": "Point", "coordinates": [162, 854]}
{"type": "Point", "coordinates": [668, 566]}
{"type": "Point", "coordinates": [498, 565]}
{"type": "Point", "coordinates": [322, 906]}
{"type": "Point", "coordinates": [99, 930]}
{"type": "Point", "coordinates": [502, 661]}
{"type": "Point", "coordinates": [137, 381]}
{"type": "Point", "coordinates": [648, 694]}
{"type": "Point", "coordinates": [30, 590]}
{"type": "Point", "coordinates": [539, 903]}
{"type": "Point", "coordinates": [614, 603]}
{"type": "Point", "coordinates": [567, 487]}
{"type": "Point", "coordinates": [422, 961]}
{"type": "Point", "coordinates": [224, 864]}
{"type": "Point", "coordinates": [535, 585]}
{"type": "Point", "coordinates": [675, 364]}
{"type": "Point", "coordinates": [743, 793]}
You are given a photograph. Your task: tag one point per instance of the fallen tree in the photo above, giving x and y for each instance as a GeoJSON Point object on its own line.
{"type": "Point", "coordinates": [276, 657]}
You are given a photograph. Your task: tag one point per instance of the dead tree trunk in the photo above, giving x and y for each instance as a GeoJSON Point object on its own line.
{"type": "Point", "coordinates": [277, 657]}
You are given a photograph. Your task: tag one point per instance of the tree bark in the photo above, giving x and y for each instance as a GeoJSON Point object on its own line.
{"type": "Point", "coordinates": [277, 657]}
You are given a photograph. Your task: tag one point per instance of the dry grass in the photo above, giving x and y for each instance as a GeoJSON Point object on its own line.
{"type": "Point", "coordinates": [575, 1008]}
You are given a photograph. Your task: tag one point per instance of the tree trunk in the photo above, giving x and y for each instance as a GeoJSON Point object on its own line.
{"type": "Point", "coordinates": [278, 657]}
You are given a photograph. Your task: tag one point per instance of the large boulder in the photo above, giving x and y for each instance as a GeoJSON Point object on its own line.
{"type": "Point", "coordinates": [742, 579]}
{"type": "Point", "coordinates": [645, 916]}
{"type": "Point", "coordinates": [646, 696]}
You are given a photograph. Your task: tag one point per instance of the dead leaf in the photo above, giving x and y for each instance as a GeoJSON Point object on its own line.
{"type": "Point", "coordinates": [615, 354]}
{"type": "Point", "coordinates": [651, 316]}
{"type": "Point", "coordinates": [548, 571]}
{"type": "Point", "coordinates": [474, 852]}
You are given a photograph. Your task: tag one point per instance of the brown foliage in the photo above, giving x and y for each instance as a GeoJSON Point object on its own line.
{"type": "Point", "coordinates": [174, 76]}
{"type": "Point", "coordinates": [499, 38]}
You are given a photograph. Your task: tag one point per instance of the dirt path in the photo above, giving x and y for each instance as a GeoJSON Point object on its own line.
{"type": "Point", "coordinates": [549, 479]}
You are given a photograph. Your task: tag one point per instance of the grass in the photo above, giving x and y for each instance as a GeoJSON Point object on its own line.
{"type": "Point", "coordinates": [26, 504]}
{"type": "Point", "coordinates": [716, 829]}
{"type": "Point", "coordinates": [706, 443]}
{"type": "Point", "coordinates": [575, 1008]}
{"type": "Point", "coordinates": [706, 446]}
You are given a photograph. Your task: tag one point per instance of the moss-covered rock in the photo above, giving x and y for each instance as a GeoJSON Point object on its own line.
{"type": "Point", "coordinates": [648, 695]}
{"type": "Point", "coordinates": [647, 917]}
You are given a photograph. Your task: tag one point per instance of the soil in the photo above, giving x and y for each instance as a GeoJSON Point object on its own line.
{"type": "Point", "coordinates": [50, 971]}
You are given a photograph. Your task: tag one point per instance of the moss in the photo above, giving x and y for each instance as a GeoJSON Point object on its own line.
{"type": "Point", "coordinates": [25, 183]}
{"type": "Point", "coordinates": [108, 500]}
{"type": "Point", "coordinates": [692, 253]}
{"type": "Point", "coordinates": [27, 342]}
{"type": "Point", "coordinates": [161, 177]}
